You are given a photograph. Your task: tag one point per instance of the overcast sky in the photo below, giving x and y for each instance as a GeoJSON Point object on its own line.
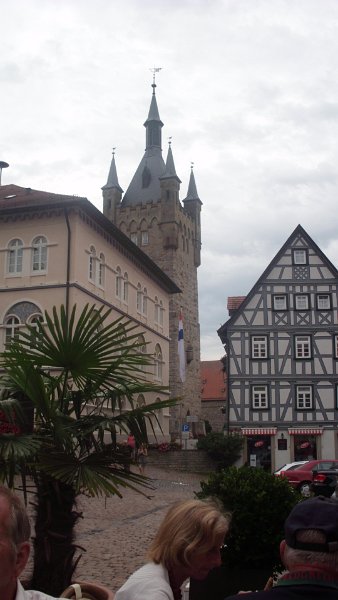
{"type": "Point", "coordinates": [248, 92]}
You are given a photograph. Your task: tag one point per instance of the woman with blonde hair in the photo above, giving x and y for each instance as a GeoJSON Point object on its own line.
{"type": "Point", "coordinates": [187, 544]}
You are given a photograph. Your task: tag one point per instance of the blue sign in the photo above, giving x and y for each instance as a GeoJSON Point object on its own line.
{"type": "Point", "coordinates": [185, 427]}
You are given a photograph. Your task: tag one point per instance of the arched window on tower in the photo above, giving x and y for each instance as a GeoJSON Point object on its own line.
{"type": "Point", "coordinates": [139, 298]}
{"type": "Point", "coordinates": [39, 254]}
{"type": "Point", "coordinates": [14, 257]}
{"type": "Point", "coordinates": [145, 302]}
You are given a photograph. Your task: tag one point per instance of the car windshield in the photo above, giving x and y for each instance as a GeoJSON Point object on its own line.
{"type": "Point", "coordinates": [295, 467]}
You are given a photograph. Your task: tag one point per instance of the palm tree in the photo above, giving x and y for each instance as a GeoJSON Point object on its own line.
{"type": "Point", "coordinates": [74, 372]}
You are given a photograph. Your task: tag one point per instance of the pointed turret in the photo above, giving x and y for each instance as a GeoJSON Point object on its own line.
{"type": "Point", "coordinates": [112, 192]}
{"type": "Point", "coordinates": [145, 185]}
{"type": "Point", "coordinates": [192, 205]}
{"type": "Point", "coordinates": [192, 189]}
{"type": "Point", "coordinates": [170, 170]}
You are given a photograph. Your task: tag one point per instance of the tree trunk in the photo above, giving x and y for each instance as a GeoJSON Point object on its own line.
{"type": "Point", "coordinates": [54, 547]}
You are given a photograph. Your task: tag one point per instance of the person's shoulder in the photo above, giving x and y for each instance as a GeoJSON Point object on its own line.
{"type": "Point", "coordinates": [151, 580]}
{"type": "Point", "coordinates": [22, 594]}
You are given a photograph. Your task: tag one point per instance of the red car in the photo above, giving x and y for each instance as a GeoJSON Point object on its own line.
{"type": "Point", "coordinates": [301, 476]}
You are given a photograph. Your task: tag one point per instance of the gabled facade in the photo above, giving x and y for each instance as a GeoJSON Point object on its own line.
{"type": "Point", "coordinates": [152, 215]}
{"type": "Point", "coordinates": [213, 390]}
{"type": "Point", "coordinates": [61, 250]}
{"type": "Point", "coordinates": [282, 358]}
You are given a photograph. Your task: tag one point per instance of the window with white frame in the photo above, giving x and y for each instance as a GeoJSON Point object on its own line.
{"type": "Point", "coordinates": [14, 257]}
{"type": "Point", "coordinates": [11, 327]}
{"type": "Point", "coordinates": [302, 302]}
{"type": "Point", "coordinates": [161, 313]}
{"type": "Point", "coordinates": [259, 346]}
{"type": "Point", "coordinates": [158, 361]}
{"type": "Point", "coordinates": [303, 346]}
{"type": "Point", "coordinates": [139, 298]}
{"type": "Point", "coordinates": [157, 310]}
{"type": "Point", "coordinates": [323, 301]}
{"type": "Point", "coordinates": [101, 270]}
{"type": "Point", "coordinates": [39, 254]}
{"type": "Point", "coordinates": [118, 283]}
{"type": "Point", "coordinates": [145, 302]}
{"type": "Point", "coordinates": [92, 264]}
{"type": "Point", "coordinates": [279, 302]}
{"type": "Point", "coordinates": [144, 238]}
{"type": "Point", "coordinates": [259, 396]}
{"type": "Point", "coordinates": [299, 256]}
{"type": "Point", "coordinates": [125, 288]}
{"type": "Point", "coordinates": [304, 397]}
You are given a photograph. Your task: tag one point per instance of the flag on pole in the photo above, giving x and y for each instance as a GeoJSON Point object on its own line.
{"type": "Point", "coordinates": [181, 352]}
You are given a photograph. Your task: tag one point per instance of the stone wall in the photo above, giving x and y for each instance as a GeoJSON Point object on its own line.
{"type": "Point", "coordinates": [193, 461]}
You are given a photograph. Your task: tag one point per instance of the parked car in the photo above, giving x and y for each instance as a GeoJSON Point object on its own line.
{"type": "Point", "coordinates": [288, 466]}
{"type": "Point", "coordinates": [324, 483]}
{"type": "Point", "coordinates": [301, 476]}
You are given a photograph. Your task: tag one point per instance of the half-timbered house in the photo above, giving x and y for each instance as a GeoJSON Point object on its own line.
{"type": "Point", "coordinates": [281, 343]}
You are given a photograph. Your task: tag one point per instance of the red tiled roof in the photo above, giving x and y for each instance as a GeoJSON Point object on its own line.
{"type": "Point", "coordinates": [12, 196]}
{"type": "Point", "coordinates": [234, 302]}
{"type": "Point", "coordinates": [213, 380]}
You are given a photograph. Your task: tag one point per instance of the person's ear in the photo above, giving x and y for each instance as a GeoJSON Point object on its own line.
{"type": "Point", "coordinates": [21, 557]}
{"type": "Point", "coordinates": [282, 546]}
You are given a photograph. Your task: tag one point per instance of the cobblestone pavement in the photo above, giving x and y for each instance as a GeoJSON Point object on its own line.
{"type": "Point", "coordinates": [116, 532]}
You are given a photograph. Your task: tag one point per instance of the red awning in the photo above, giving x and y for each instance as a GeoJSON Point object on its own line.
{"type": "Point", "coordinates": [259, 430]}
{"type": "Point", "coordinates": [305, 431]}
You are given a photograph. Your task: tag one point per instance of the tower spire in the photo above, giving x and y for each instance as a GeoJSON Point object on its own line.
{"type": "Point", "coordinates": [192, 189]}
{"type": "Point", "coordinates": [153, 124]}
{"type": "Point", "coordinates": [112, 181]}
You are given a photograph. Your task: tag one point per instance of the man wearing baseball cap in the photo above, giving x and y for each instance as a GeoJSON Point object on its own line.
{"type": "Point", "coordinates": [309, 552]}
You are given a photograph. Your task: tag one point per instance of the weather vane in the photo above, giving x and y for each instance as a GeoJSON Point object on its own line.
{"type": "Point", "coordinates": [191, 165]}
{"type": "Point", "coordinates": [169, 139]}
{"type": "Point", "coordinates": [114, 150]}
{"type": "Point", "coordinates": [155, 70]}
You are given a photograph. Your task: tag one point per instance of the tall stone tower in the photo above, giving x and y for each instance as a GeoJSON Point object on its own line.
{"type": "Point", "coordinates": [169, 231]}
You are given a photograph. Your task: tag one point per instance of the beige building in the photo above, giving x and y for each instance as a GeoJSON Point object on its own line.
{"type": "Point", "coordinates": [61, 250]}
{"type": "Point", "coordinates": [168, 229]}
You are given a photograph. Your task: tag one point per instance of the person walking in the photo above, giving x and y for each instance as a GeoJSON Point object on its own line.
{"type": "Point", "coordinates": [142, 454]}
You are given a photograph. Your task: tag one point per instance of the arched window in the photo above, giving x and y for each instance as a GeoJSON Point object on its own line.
{"type": "Point", "coordinates": [161, 313]}
{"type": "Point", "coordinates": [34, 319]}
{"type": "Point", "coordinates": [145, 302]}
{"type": "Point", "coordinates": [39, 254]}
{"type": "Point", "coordinates": [157, 311]}
{"type": "Point", "coordinates": [158, 361]}
{"type": "Point", "coordinates": [92, 264]}
{"type": "Point", "coordinates": [12, 325]}
{"type": "Point", "coordinates": [14, 256]}
{"type": "Point", "coordinates": [118, 283]}
{"type": "Point", "coordinates": [101, 269]}
{"type": "Point", "coordinates": [139, 298]}
{"type": "Point", "coordinates": [140, 401]}
{"type": "Point", "coordinates": [125, 288]}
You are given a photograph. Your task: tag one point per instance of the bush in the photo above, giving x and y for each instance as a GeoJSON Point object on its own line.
{"type": "Point", "coordinates": [259, 503]}
{"type": "Point", "coordinates": [223, 449]}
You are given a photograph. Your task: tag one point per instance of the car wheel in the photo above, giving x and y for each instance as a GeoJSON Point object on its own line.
{"type": "Point", "coordinates": [304, 489]}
